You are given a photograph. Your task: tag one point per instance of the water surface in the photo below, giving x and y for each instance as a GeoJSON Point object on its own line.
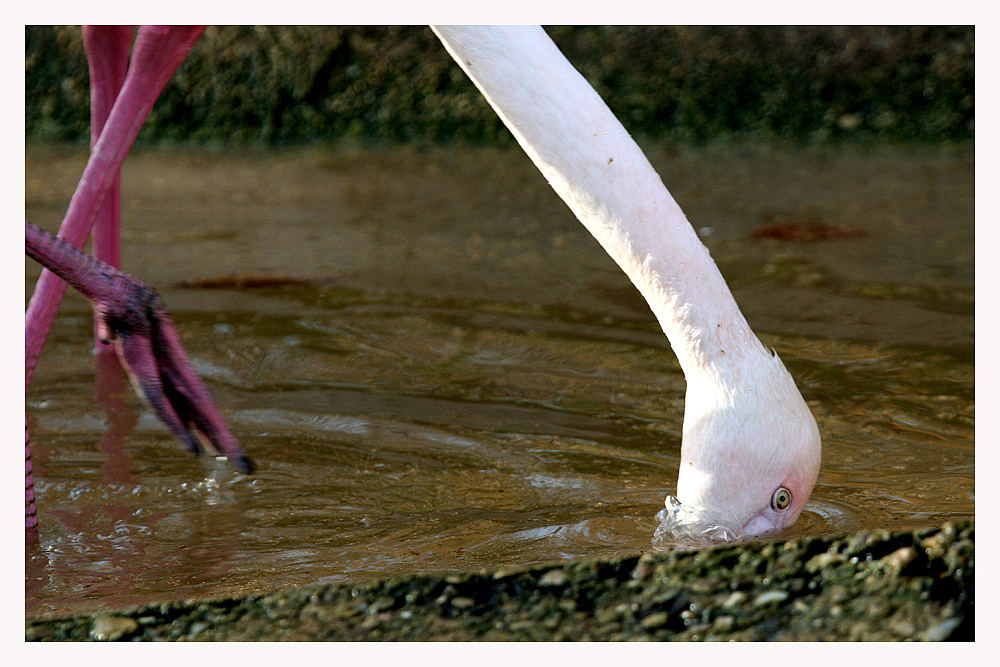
{"type": "Point", "coordinates": [436, 367]}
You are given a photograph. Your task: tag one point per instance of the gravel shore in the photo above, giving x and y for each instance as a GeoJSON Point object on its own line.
{"type": "Point", "coordinates": [878, 586]}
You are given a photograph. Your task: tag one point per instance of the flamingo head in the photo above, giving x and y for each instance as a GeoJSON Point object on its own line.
{"type": "Point", "coordinates": [751, 449]}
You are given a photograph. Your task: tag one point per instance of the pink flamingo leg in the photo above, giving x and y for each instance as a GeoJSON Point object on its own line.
{"type": "Point", "coordinates": [107, 56]}
{"type": "Point", "coordinates": [107, 49]}
{"type": "Point", "coordinates": [149, 346]}
{"type": "Point", "coordinates": [157, 53]}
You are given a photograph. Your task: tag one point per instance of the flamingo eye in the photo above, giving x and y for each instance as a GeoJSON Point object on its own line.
{"type": "Point", "coordinates": [781, 499]}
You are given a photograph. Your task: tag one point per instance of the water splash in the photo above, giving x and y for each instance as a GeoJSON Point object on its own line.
{"type": "Point", "coordinates": [687, 527]}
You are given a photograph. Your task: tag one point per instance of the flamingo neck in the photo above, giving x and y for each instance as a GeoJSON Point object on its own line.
{"type": "Point", "coordinates": [598, 170]}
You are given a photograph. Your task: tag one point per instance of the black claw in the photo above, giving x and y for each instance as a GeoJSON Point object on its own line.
{"type": "Point", "coordinates": [244, 464]}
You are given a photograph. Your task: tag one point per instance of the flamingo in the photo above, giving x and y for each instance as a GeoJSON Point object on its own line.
{"type": "Point", "coordinates": [751, 449]}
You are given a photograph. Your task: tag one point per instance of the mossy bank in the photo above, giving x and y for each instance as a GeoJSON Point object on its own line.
{"type": "Point", "coordinates": [881, 585]}
{"type": "Point", "coordinates": [278, 85]}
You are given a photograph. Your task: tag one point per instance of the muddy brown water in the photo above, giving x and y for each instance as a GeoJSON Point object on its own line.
{"type": "Point", "coordinates": [437, 368]}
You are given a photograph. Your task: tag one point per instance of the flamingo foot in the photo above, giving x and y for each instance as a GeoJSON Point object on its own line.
{"type": "Point", "coordinates": [134, 318]}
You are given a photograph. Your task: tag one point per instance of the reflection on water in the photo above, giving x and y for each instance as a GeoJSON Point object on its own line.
{"type": "Point", "coordinates": [436, 368]}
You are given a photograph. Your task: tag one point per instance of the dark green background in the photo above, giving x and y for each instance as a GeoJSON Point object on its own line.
{"type": "Point", "coordinates": [291, 85]}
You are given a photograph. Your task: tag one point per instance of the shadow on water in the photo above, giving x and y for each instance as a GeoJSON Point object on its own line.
{"type": "Point", "coordinates": [437, 368]}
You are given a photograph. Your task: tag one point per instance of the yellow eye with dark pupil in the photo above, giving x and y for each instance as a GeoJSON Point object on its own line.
{"type": "Point", "coordinates": [781, 499]}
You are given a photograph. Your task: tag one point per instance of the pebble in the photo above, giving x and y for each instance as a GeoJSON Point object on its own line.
{"type": "Point", "coordinates": [610, 615]}
{"type": "Point", "coordinates": [553, 578]}
{"type": "Point", "coordinates": [112, 628]}
{"type": "Point", "coordinates": [383, 603]}
{"type": "Point", "coordinates": [567, 605]}
{"type": "Point", "coordinates": [445, 595]}
{"type": "Point", "coordinates": [736, 599]}
{"type": "Point", "coordinates": [858, 630]}
{"type": "Point", "coordinates": [317, 611]}
{"type": "Point", "coordinates": [900, 558]}
{"type": "Point", "coordinates": [901, 627]}
{"type": "Point", "coordinates": [821, 561]}
{"type": "Point", "coordinates": [770, 597]}
{"type": "Point", "coordinates": [197, 628]}
{"type": "Point", "coordinates": [943, 630]}
{"type": "Point", "coordinates": [724, 623]}
{"type": "Point", "coordinates": [655, 620]}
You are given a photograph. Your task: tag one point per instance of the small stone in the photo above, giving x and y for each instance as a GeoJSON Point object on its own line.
{"type": "Point", "coordinates": [445, 595]}
{"type": "Point", "coordinates": [112, 628]}
{"type": "Point", "coordinates": [642, 570]}
{"type": "Point", "coordinates": [849, 121]}
{"type": "Point", "coordinates": [735, 599]}
{"type": "Point", "coordinates": [381, 604]}
{"type": "Point", "coordinates": [609, 615]}
{"type": "Point", "coordinates": [697, 631]}
{"type": "Point", "coordinates": [655, 620]}
{"type": "Point", "coordinates": [197, 628]}
{"type": "Point", "coordinates": [344, 611]}
{"type": "Point", "coordinates": [821, 561]}
{"type": "Point", "coordinates": [770, 597]}
{"type": "Point", "coordinates": [942, 630]}
{"type": "Point", "coordinates": [553, 578]}
{"type": "Point", "coordinates": [901, 627]}
{"type": "Point", "coordinates": [858, 630]}
{"type": "Point", "coordinates": [644, 567]}
{"type": "Point", "coordinates": [724, 623]}
{"type": "Point", "coordinates": [900, 558]}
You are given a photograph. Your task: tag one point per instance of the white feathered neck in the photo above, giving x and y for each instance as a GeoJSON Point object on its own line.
{"type": "Point", "coordinates": [595, 166]}
{"type": "Point", "coordinates": [747, 431]}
